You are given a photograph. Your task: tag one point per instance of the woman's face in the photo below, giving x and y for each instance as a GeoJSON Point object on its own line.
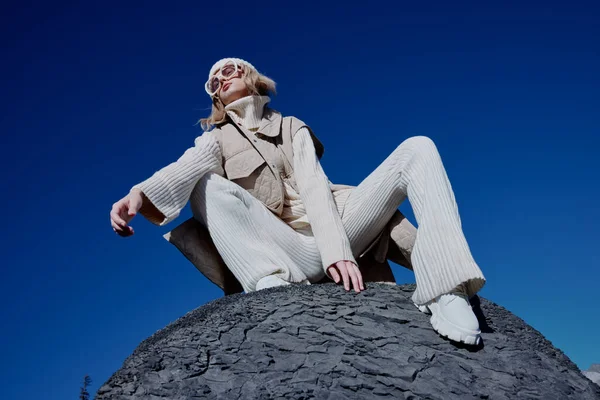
{"type": "Point", "coordinates": [232, 88]}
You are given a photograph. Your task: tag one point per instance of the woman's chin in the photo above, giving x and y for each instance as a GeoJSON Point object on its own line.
{"type": "Point", "coordinates": [226, 98]}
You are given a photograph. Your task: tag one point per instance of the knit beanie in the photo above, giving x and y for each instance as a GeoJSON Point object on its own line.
{"type": "Point", "coordinates": [223, 61]}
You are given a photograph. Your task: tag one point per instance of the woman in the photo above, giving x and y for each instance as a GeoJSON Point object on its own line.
{"type": "Point", "coordinates": [256, 183]}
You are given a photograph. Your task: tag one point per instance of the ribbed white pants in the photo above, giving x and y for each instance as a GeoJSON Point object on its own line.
{"type": "Point", "coordinates": [255, 243]}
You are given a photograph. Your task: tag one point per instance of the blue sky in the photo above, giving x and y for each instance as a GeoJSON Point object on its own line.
{"type": "Point", "coordinates": [96, 97]}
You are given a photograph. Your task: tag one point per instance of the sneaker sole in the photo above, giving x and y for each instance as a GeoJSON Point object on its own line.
{"type": "Point", "coordinates": [448, 330]}
{"type": "Point", "coordinates": [423, 309]}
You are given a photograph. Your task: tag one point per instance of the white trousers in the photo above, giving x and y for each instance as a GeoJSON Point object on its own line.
{"type": "Point", "coordinates": [255, 243]}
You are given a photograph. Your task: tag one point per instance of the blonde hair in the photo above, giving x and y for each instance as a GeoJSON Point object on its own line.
{"type": "Point", "coordinates": [257, 84]}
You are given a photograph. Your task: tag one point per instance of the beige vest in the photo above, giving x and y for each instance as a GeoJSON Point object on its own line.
{"type": "Point", "coordinates": [259, 162]}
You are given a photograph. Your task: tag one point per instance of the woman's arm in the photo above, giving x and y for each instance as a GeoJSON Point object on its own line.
{"type": "Point", "coordinates": [167, 191]}
{"type": "Point", "coordinates": [321, 209]}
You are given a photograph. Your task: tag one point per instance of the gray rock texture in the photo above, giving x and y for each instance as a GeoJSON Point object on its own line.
{"type": "Point", "coordinates": [321, 342]}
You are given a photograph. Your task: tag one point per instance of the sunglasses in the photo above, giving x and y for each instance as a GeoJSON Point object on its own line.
{"type": "Point", "coordinates": [228, 70]}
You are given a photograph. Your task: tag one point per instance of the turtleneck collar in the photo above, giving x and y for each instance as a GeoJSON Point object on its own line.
{"type": "Point", "coordinates": [248, 111]}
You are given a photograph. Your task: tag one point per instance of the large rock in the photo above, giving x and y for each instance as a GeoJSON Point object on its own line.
{"type": "Point", "coordinates": [320, 342]}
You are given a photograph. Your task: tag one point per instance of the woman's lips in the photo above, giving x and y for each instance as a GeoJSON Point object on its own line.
{"type": "Point", "coordinates": [226, 86]}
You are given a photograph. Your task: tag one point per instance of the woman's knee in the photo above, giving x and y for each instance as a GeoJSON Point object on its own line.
{"type": "Point", "coordinates": [419, 142]}
{"type": "Point", "coordinates": [213, 190]}
{"type": "Point", "coordinates": [417, 146]}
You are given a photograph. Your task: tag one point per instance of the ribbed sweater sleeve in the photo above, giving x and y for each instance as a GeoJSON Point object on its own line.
{"type": "Point", "coordinates": [315, 192]}
{"type": "Point", "coordinates": [169, 189]}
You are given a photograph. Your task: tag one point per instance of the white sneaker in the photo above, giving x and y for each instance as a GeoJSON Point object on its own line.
{"type": "Point", "coordinates": [453, 317]}
{"type": "Point", "coordinates": [270, 281]}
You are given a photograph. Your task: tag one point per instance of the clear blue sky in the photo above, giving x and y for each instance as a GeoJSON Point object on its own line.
{"type": "Point", "coordinates": [96, 97]}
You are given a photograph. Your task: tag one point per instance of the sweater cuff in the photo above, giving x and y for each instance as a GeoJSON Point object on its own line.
{"type": "Point", "coordinates": [157, 206]}
{"type": "Point", "coordinates": [330, 258]}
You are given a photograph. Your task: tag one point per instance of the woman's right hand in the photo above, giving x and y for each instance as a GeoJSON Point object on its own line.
{"type": "Point", "coordinates": [124, 210]}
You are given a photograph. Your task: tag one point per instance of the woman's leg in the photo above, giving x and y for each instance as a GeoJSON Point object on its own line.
{"type": "Point", "coordinates": [253, 242]}
{"type": "Point", "coordinates": [441, 257]}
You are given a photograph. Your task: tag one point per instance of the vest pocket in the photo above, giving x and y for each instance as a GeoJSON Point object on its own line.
{"type": "Point", "coordinates": [243, 164]}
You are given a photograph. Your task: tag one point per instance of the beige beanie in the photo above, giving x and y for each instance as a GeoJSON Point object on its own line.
{"type": "Point", "coordinates": [223, 61]}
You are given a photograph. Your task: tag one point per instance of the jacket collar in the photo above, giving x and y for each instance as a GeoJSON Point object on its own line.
{"type": "Point", "coordinates": [270, 125]}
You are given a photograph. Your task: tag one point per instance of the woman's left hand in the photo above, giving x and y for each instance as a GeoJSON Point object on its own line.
{"type": "Point", "coordinates": [349, 272]}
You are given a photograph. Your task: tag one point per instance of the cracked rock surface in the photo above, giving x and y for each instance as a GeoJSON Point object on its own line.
{"type": "Point", "coordinates": [321, 342]}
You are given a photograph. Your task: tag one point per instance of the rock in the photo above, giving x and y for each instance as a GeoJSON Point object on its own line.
{"type": "Point", "coordinates": [594, 368]}
{"type": "Point", "coordinates": [320, 342]}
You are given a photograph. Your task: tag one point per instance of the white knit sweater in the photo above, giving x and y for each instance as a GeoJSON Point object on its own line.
{"type": "Point", "coordinates": [312, 212]}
